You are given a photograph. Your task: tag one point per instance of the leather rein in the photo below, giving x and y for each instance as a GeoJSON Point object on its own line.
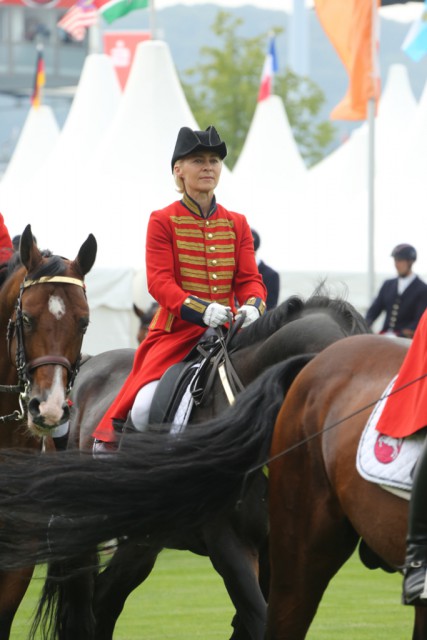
{"type": "Point", "coordinates": [220, 363]}
{"type": "Point", "coordinates": [24, 368]}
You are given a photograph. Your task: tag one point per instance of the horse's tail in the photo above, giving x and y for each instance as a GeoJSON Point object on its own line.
{"type": "Point", "coordinates": [155, 485]}
{"type": "Point", "coordinates": [48, 618]}
{"type": "Point", "coordinates": [66, 604]}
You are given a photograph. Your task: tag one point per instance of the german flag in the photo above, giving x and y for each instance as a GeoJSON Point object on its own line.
{"type": "Point", "coordinates": [39, 78]}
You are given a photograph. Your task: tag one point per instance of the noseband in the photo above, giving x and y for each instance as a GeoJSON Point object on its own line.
{"type": "Point", "coordinates": [24, 368]}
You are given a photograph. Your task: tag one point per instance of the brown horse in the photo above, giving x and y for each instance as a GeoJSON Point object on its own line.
{"type": "Point", "coordinates": [43, 317]}
{"type": "Point", "coordinates": [236, 542]}
{"type": "Point", "coordinates": [315, 486]}
{"type": "Point", "coordinates": [320, 507]}
{"type": "Point", "coordinates": [145, 317]}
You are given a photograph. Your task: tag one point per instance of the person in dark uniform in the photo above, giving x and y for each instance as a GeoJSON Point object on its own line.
{"type": "Point", "coordinates": [270, 277]}
{"type": "Point", "coordinates": [403, 299]}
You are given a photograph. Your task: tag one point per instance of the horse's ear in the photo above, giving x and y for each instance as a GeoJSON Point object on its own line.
{"type": "Point", "coordinates": [139, 312]}
{"type": "Point", "coordinates": [28, 250]}
{"type": "Point", "coordinates": [87, 254]}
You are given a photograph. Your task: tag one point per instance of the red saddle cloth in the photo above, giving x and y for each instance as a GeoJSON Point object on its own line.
{"type": "Point", "coordinates": [405, 412]}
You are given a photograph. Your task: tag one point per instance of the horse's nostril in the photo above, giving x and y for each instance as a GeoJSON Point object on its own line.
{"type": "Point", "coordinates": [66, 411]}
{"type": "Point", "coordinates": [34, 407]}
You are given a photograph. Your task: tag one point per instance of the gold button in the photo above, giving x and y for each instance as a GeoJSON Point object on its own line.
{"type": "Point", "coordinates": [211, 248]}
{"type": "Point", "coordinates": [214, 262]}
{"type": "Point", "coordinates": [207, 223]}
{"type": "Point", "coordinates": [214, 276]}
{"type": "Point", "coordinates": [210, 235]}
{"type": "Point", "coordinates": [214, 289]}
{"type": "Point", "coordinates": [187, 301]}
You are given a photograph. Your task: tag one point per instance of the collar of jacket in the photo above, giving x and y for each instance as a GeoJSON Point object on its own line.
{"type": "Point", "coordinates": [194, 207]}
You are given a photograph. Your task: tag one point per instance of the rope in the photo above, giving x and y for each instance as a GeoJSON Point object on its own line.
{"type": "Point", "coordinates": [333, 425]}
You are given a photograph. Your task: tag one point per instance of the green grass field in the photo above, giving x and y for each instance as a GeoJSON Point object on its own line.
{"type": "Point", "coordinates": [184, 598]}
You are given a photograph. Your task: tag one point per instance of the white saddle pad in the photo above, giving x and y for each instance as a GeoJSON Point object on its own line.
{"type": "Point", "coordinates": [385, 460]}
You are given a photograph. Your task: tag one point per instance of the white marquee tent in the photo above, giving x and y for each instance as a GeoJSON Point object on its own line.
{"type": "Point", "coordinates": [36, 142]}
{"type": "Point", "coordinates": [111, 168]}
{"type": "Point", "coordinates": [269, 174]}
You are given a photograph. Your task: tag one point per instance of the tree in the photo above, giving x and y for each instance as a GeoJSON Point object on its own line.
{"type": "Point", "coordinates": [222, 89]}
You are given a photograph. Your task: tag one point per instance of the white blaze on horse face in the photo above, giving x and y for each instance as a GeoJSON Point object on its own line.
{"type": "Point", "coordinates": [51, 409]}
{"type": "Point", "coordinates": [56, 307]}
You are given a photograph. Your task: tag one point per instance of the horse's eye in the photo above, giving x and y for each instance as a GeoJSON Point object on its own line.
{"type": "Point", "coordinates": [84, 323]}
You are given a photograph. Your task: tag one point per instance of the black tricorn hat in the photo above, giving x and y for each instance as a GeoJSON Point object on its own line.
{"type": "Point", "coordinates": [189, 141]}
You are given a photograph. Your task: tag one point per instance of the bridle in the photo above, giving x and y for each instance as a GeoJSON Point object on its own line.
{"type": "Point", "coordinates": [24, 369]}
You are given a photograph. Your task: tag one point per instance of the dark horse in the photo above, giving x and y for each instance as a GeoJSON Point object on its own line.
{"type": "Point", "coordinates": [43, 317]}
{"type": "Point", "coordinates": [319, 506]}
{"type": "Point", "coordinates": [236, 542]}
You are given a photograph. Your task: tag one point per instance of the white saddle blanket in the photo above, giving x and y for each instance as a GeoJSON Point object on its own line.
{"type": "Point", "coordinates": [385, 460]}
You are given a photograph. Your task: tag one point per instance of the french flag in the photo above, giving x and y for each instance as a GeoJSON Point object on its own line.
{"type": "Point", "coordinates": [270, 68]}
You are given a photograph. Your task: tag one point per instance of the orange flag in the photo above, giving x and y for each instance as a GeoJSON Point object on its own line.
{"type": "Point", "coordinates": [351, 26]}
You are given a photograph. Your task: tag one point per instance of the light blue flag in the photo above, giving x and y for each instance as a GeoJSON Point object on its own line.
{"type": "Point", "coordinates": [415, 43]}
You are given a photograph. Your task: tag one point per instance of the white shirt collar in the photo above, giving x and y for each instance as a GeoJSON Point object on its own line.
{"type": "Point", "coordinates": [404, 282]}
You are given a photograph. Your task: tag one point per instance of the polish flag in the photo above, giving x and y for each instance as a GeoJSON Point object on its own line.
{"type": "Point", "coordinates": [268, 71]}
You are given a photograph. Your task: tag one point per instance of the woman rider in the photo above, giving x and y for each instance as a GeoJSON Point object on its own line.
{"type": "Point", "coordinates": [199, 259]}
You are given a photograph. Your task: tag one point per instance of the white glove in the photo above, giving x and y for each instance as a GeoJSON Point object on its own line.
{"type": "Point", "coordinates": [216, 314]}
{"type": "Point", "coordinates": [252, 314]}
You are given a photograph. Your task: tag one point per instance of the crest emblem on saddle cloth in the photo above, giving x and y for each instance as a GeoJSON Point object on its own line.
{"type": "Point", "coordinates": [386, 448]}
{"type": "Point", "coordinates": [386, 460]}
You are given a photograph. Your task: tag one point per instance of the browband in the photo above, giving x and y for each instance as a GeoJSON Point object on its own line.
{"type": "Point", "coordinates": [48, 279]}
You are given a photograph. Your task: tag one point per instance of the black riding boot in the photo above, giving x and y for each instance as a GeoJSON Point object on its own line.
{"type": "Point", "coordinates": [415, 573]}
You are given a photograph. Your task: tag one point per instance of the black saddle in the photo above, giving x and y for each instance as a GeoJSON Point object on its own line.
{"type": "Point", "coordinates": [198, 369]}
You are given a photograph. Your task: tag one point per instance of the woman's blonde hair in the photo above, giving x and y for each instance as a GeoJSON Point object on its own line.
{"type": "Point", "coordinates": [178, 181]}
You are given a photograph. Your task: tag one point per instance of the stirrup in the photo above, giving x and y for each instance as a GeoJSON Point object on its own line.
{"type": "Point", "coordinates": [102, 449]}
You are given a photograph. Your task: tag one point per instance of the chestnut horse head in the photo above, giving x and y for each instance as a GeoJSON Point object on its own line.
{"type": "Point", "coordinates": [44, 314]}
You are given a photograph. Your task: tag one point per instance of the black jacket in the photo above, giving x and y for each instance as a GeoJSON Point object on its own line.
{"type": "Point", "coordinates": [402, 312]}
{"type": "Point", "coordinates": [272, 283]}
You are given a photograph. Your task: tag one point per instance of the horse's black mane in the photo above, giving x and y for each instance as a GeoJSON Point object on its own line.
{"type": "Point", "coordinates": [294, 307]}
{"type": "Point", "coordinates": [54, 266]}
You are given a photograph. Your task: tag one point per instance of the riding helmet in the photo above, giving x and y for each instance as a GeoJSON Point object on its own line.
{"type": "Point", "coordinates": [189, 141]}
{"type": "Point", "coordinates": [404, 252]}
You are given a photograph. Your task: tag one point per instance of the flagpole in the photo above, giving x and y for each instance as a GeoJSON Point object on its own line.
{"type": "Point", "coordinates": [371, 199]}
{"type": "Point", "coordinates": [371, 162]}
{"type": "Point", "coordinates": [152, 20]}
{"type": "Point", "coordinates": [95, 38]}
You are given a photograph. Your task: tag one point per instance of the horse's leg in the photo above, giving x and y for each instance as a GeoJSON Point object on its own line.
{"type": "Point", "coordinates": [264, 583]}
{"type": "Point", "coordinates": [131, 564]}
{"type": "Point", "coordinates": [420, 624]}
{"type": "Point", "coordinates": [13, 585]}
{"type": "Point", "coordinates": [310, 539]}
{"type": "Point", "coordinates": [236, 560]}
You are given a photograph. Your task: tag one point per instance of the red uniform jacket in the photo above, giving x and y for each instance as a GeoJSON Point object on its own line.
{"type": "Point", "coordinates": [6, 248]}
{"type": "Point", "coordinates": [405, 412]}
{"type": "Point", "coordinates": [191, 261]}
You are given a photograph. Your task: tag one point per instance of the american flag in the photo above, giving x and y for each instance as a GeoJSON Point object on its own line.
{"type": "Point", "coordinates": [81, 16]}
